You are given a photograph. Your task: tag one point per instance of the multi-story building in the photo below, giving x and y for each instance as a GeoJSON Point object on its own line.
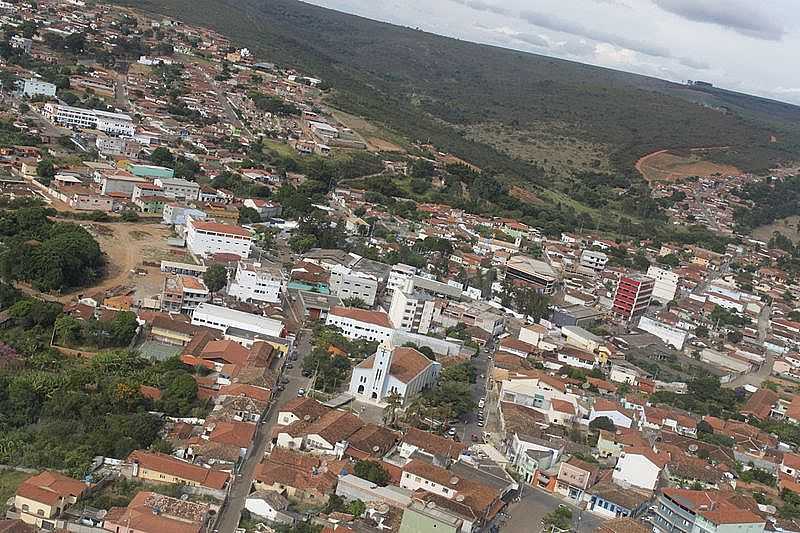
{"type": "Point", "coordinates": [398, 276]}
{"type": "Point", "coordinates": [536, 273]}
{"type": "Point", "coordinates": [257, 282]}
{"type": "Point", "coordinates": [34, 87]}
{"type": "Point", "coordinates": [633, 296]}
{"type": "Point", "coordinates": [348, 283]}
{"type": "Point", "coordinates": [208, 238]}
{"type": "Point", "coordinates": [182, 294]}
{"type": "Point", "coordinates": [42, 498]}
{"type": "Point", "coordinates": [122, 183]}
{"type": "Point", "coordinates": [361, 324]}
{"type": "Point", "coordinates": [176, 215]}
{"type": "Point", "coordinates": [666, 284]}
{"type": "Point", "coordinates": [703, 511]}
{"type": "Point", "coordinates": [178, 188]}
{"type": "Point", "coordinates": [76, 117]}
{"type": "Point", "coordinates": [594, 260]}
{"type": "Point", "coordinates": [412, 310]}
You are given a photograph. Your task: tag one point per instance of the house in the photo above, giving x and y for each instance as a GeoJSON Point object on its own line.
{"type": "Point", "coordinates": [705, 510]}
{"type": "Point", "coordinates": [612, 444]}
{"type": "Point", "coordinates": [393, 370]}
{"type": "Point", "coordinates": [760, 404]}
{"type": "Point", "coordinates": [43, 497]}
{"type": "Point", "coordinates": [640, 467]}
{"type": "Point", "coordinates": [157, 467]}
{"type": "Point", "coordinates": [416, 440]}
{"type": "Point", "coordinates": [576, 357]}
{"type": "Point", "coordinates": [612, 501]}
{"type": "Point", "coordinates": [620, 416]}
{"type": "Point", "coordinates": [623, 525]}
{"type": "Point", "coordinates": [269, 505]}
{"type": "Point", "coordinates": [150, 512]}
{"type": "Point", "coordinates": [422, 517]}
{"type": "Point", "coordinates": [575, 477]}
{"type": "Point", "coordinates": [300, 477]}
{"type": "Point", "coordinates": [265, 208]}
{"type": "Point", "coordinates": [301, 408]}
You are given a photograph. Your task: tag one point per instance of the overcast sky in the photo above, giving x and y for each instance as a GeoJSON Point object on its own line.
{"type": "Point", "coordinates": [745, 45]}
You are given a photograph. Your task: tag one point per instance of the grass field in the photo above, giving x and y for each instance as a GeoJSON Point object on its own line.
{"type": "Point", "coordinates": [789, 226]}
{"type": "Point", "coordinates": [9, 481]}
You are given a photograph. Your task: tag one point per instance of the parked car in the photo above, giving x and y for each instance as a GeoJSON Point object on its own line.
{"type": "Point", "coordinates": [301, 392]}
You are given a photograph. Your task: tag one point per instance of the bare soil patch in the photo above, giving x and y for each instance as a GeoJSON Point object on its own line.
{"type": "Point", "coordinates": [666, 165]}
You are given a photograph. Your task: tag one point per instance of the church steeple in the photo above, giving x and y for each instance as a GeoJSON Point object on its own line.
{"type": "Point", "coordinates": [381, 367]}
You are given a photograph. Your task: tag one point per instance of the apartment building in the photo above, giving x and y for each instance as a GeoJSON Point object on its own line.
{"type": "Point", "coordinates": [257, 282]}
{"type": "Point", "coordinates": [208, 238]}
{"type": "Point", "coordinates": [593, 260]}
{"type": "Point", "coordinates": [238, 325]}
{"type": "Point", "coordinates": [536, 273]}
{"type": "Point", "coordinates": [412, 311]}
{"type": "Point", "coordinates": [398, 276]}
{"type": "Point", "coordinates": [361, 324]}
{"type": "Point", "coordinates": [633, 296]}
{"type": "Point", "coordinates": [178, 188]}
{"type": "Point", "coordinates": [33, 87]}
{"type": "Point", "coordinates": [709, 511]}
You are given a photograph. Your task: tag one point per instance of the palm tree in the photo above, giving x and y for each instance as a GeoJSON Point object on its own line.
{"type": "Point", "coordinates": [393, 402]}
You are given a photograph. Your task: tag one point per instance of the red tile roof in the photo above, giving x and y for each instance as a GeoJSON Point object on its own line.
{"type": "Point", "coordinates": [48, 487]}
{"type": "Point", "coordinates": [166, 464]}
{"type": "Point", "coordinates": [378, 318]}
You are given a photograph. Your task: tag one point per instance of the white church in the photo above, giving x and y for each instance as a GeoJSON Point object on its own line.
{"type": "Point", "coordinates": [403, 370]}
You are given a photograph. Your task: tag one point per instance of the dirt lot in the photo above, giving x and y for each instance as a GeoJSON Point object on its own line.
{"type": "Point", "coordinates": [789, 226]}
{"type": "Point", "coordinates": [126, 246]}
{"type": "Point", "coordinates": [668, 166]}
{"type": "Point", "coordinates": [377, 140]}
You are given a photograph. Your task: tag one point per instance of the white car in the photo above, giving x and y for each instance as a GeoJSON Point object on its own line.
{"type": "Point", "coordinates": [301, 392]}
{"type": "Point", "coordinates": [481, 404]}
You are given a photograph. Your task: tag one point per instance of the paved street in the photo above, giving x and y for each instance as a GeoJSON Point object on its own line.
{"type": "Point", "coordinates": [231, 511]}
{"type": "Point", "coordinates": [470, 425]}
{"type": "Point", "coordinates": [527, 515]}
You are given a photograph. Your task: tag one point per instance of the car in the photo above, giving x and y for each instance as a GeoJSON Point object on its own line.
{"type": "Point", "coordinates": [289, 365]}
{"type": "Point", "coordinates": [301, 392]}
{"type": "Point", "coordinates": [285, 380]}
{"type": "Point", "coordinates": [481, 404]}
{"type": "Point", "coordinates": [480, 423]}
{"type": "Point", "coordinates": [451, 432]}
{"type": "Point", "coordinates": [474, 437]}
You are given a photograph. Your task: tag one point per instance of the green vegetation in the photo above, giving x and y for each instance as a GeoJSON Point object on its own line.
{"type": "Point", "coordinates": [52, 256]}
{"type": "Point", "coordinates": [704, 397]}
{"type": "Point", "coordinates": [216, 277]}
{"type": "Point", "coordinates": [94, 334]}
{"type": "Point", "coordinates": [560, 519]}
{"type": "Point", "coordinates": [450, 399]}
{"type": "Point", "coordinates": [772, 200]}
{"type": "Point", "coordinates": [372, 471]}
{"type": "Point", "coordinates": [9, 481]}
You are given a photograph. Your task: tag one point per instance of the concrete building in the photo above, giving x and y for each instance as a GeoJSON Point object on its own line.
{"type": "Point", "coordinates": [42, 498]}
{"type": "Point", "coordinates": [208, 238]}
{"type": "Point", "coordinates": [633, 296]}
{"type": "Point", "coordinates": [391, 370]}
{"type": "Point", "coordinates": [266, 209]}
{"type": "Point", "coordinates": [666, 283]}
{"type": "Point", "coordinates": [411, 310]}
{"type": "Point", "coordinates": [35, 87]}
{"type": "Point", "coordinates": [707, 511]}
{"type": "Point", "coordinates": [421, 517]}
{"type": "Point", "coordinates": [670, 335]}
{"type": "Point", "coordinates": [349, 283]}
{"type": "Point", "coordinates": [225, 320]}
{"type": "Point", "coordinates": [593, 260]}
{"type": "Point", "coordinates": [182, 294]}
{"type": "Point", "coordinates": [176, 215]}
{"type": "Point", "coordinates": [76, 117]}
{"type": "Point", "coordinates": [398, 276]}
{"type": "Point", "coordinates": [119, 183]}
{"type": "Point", "coordinates": [533, 272]}
{"type": "Point", "coordinates": [361, 324]}
{"type": "Point", "coordinates": [257, 282]}
{"type": "Point", "coordinates": [178, 189]}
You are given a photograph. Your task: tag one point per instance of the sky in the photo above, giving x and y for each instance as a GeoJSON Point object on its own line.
{"type": "Point", "coordinates": [744, 45]}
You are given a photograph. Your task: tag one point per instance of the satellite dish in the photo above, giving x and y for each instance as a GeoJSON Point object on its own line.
{"type": "Point", "coordinates": [376, 449]}
{"type": "Point", "coordinates": [693, 448]}
{"type": "Point", "coordinates": [460, 498]}
{"type": "Point", "coordinates": [454, 480]}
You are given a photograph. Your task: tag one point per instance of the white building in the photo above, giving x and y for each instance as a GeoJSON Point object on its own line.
{"type": "Point", "coordinates": [33, 87]}
{"type": "Point", "coordinates": [225, 320]}
{"type": "Point", "coordinates": [178, 188]}
{"type": "Point", "coordinates": [361, 324]}
{"type": "Point", "coordinates": [398, 276]}
{"type": "Point", "coordinates": [594, 260]}
{"type": "Point", "coordinates": [640, 468]}
{"type": "Point", "coordinates": [347, 283]}
{"type": "Point", "coordinates": [666, 285]}
{"type": "Point", "coordinates": [120, 183]}
{"type": "Point", "coordinates": [403, 371]}
{"type": "Point", "coordinates": [410, 310]}
{"type": "Point", "coordinates": [208, 238]}
{"type": "Point", "coordinates": [257, 282]}
{"type": "Point", "coordinates": [76, 117]}
{"type": "Point", "coordinates": [670, 335]}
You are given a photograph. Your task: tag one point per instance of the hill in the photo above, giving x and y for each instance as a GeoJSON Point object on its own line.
{"type": "Point", "coordinates": [516, 112]}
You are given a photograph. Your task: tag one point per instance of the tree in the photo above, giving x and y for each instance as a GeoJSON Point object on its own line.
{"type": "Point", "coordinates": [75, 43]}
{"type": "Point", "coordinates": [248, 215]}
{"type": "Point", "coordinates": [560, 518]}
{"type": "Point", "coordinates": [355, 301]}
{"type": "Point", "coordinates": [531, 303]}
{"type": "Point", "coordinates": [67, 330]}
{"type": "Point", "coordinates": [701, 331]}
{"type": "Point", "coordinates": [123, 328]}
{"type": "Point", "coordinates": [179, 394]}
{"type": "Point", "coordinates": [163, 157]}
{"type": "Point", "coordinates": [46, 170]}
{"type": "Point", "coordinates": [372, 471]}
{"type": "Point", "coordinates": [603, 422]}
{"type": "Point", "coordinates": [216, 277]}
{"type": "Point", "coordinates": [129, 215]}
{"type": "Point", "coordinates": [356, 508]}
{"type": "Point", "coordinates": [704, 427]}
{"type": "Point", "coordinates": [393, 402]}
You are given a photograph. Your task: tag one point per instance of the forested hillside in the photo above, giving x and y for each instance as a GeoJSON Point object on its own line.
{"type": "Point", "coordinates": [413, 80]}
